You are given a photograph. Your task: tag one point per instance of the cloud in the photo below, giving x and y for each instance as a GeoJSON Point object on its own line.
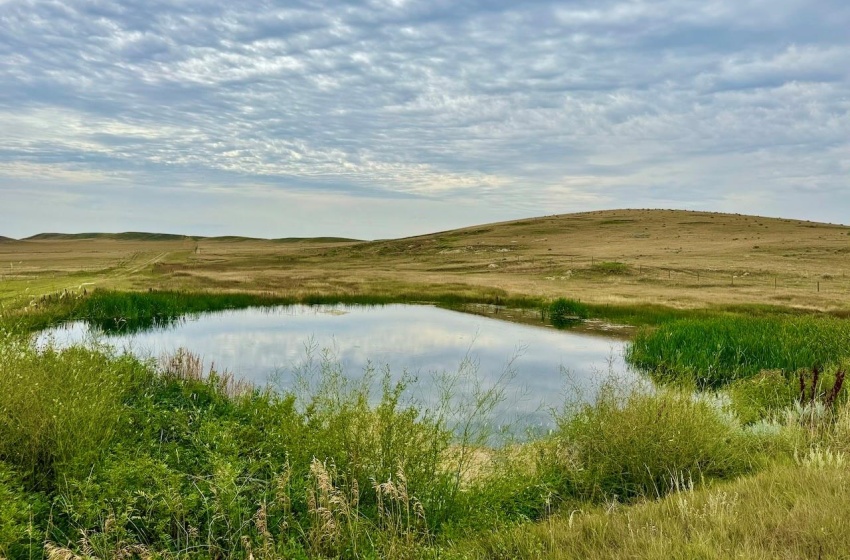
{"type": "Point", "coordinates": [521, 108]}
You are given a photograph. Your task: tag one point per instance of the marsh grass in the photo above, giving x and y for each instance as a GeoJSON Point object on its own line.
{"type": "Point", "coordinates": [712, 352]}
{"type": "Point", "coordinates": [563, 312]}
{"type": "Point", "coordinates": [128, 311]}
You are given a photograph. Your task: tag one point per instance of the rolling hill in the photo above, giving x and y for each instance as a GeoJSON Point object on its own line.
{"type": "Point", "coordinates": [666, 257]}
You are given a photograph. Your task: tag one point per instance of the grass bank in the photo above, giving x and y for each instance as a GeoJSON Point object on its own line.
{"type": "Point", "coordinates": [714, 351]}
{"type": "Point", "coordinates": [128, 311]}
{"type": "Point", "coordinates": [788, 511]}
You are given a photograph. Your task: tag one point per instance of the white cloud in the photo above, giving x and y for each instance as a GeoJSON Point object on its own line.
{"type": "Point", "coordinates": [533, 107]}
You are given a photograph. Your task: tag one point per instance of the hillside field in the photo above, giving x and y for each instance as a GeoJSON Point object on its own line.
{"type": "Point", "coordinates": [675, 258]}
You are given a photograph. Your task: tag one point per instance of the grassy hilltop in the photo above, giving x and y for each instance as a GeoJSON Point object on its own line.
{"type": "Point", "coordinates": [739, 450]}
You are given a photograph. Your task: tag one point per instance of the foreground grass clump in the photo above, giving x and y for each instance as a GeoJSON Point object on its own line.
{"type": "Point", "coordinates": [58, 410]}
{"type": "Point", "coordinates": [18, 537]}
{"type": "Point", "coordinates": [208, 465]}
{"type": "Point", "coordinates": [633, 443]}
{"type": "Point", "coordinates": [711, 352]}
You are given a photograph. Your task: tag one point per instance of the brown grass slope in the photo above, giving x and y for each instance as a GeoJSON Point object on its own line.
{"type": "Point", "coordinates": [670, 257]}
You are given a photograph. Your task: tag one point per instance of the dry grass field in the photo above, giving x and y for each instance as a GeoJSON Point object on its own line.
{"type": "Point", "coordinates": [676, 258]}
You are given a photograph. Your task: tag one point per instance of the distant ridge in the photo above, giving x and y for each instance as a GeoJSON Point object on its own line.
{"type": "Point", "coordinates": [144, 236]}
{"type": "Point", "coordinates": [126, 236]}
{"type": "Point", "coordinates": [316, 240]}
{"type": "Point", "coordinates": [5, 239]}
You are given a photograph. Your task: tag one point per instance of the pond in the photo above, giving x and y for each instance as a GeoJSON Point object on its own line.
{"type": "Point", "coordinates": [537, 368]}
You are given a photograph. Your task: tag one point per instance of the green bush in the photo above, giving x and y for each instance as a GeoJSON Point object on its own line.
{"type": "Point", "coordinates": [564, 311]}
{"type": "Point", "coordinates": [643, 444]}
{"type": "Point", "coordinates": [59, 409]}
{"type": "Point", "coordinates": [611, 268]}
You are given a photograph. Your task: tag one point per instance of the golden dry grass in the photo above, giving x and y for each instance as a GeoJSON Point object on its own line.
{"type": "Point", "coordinates": [676, 258]}
{"type": "Point", "coordinates": [786, 512]}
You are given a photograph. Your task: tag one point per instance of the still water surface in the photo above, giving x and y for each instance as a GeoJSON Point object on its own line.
{"type": "Point", "coordinates": [267, 345]}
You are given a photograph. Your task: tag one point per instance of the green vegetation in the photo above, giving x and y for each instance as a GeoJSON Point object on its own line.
{"type": "Point", "coordinates": [611, 268]}
{"type": "Point", "coordinates": [59, 408]}
{"type": "Point", "coordinates": [633, 443]}
{"type": "Point", "coordinates": [166, 460]}
{"type": "Point", "coordinates": [788, 511]}
{"type": "Point", "coordinates": [714, 351]}
{"type": "Point", "coordinates": [105, 456]}
{"type": "Point", "coordinates": [113, 311]}
{"type": "Point", "coordinates": [563, 312]}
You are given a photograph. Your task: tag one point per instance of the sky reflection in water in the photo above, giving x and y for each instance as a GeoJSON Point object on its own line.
{"type": "Point", "coordinates": [265, 345]}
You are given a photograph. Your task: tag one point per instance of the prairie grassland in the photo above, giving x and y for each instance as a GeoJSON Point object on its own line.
{"type": "Point", "coordinates": [671, 258]}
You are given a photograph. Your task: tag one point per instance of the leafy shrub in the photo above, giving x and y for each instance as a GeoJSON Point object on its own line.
{"type": "Point", "coordinates": [638, 443]}
{"type": "Point", "coordinates": [58, 409]}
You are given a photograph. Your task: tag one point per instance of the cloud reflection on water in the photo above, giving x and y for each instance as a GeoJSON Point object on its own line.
{"type": "Point", "coordinates": [268, 345]}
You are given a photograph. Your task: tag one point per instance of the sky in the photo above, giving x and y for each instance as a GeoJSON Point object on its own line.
{"type": "Point", "coordinates": [386, 118]}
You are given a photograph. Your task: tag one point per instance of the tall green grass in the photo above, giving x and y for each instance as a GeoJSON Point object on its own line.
{"type": "Point", "coordinates": [113, 311]}
{"type": "Point", "coordinates": [715, 351]}
{"type": "Point", "coordinates": [59, 409]}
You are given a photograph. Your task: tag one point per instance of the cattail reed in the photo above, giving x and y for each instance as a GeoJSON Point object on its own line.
{"type": "Point", "coordinates": [815, 379]}
{"type": "Point", "coordinates": [836, 388]}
